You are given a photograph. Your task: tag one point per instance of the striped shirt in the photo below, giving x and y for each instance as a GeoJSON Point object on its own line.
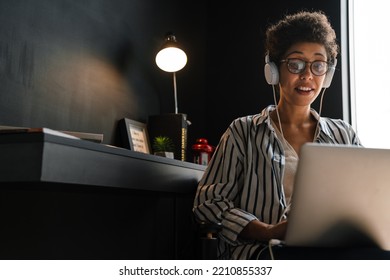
{"type": "Point", "coordinates": [244, 179]}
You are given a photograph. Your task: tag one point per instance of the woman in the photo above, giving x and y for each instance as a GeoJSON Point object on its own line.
{"type": "Point", "coordinates": [248, 184]}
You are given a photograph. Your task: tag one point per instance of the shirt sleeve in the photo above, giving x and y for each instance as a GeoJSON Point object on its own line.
{"type": "Point", "coordinates": [219, 190]}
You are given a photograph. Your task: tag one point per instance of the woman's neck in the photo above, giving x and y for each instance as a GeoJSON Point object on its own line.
{"type": "Point", "coordinates": [300, 116]}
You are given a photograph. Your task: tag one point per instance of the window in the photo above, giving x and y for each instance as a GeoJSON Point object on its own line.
{"type": "Point", "coordinates": [369, 43]}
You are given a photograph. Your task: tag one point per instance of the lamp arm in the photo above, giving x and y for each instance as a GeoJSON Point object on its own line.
{"type": "Point", "coordinates": [175, 91]}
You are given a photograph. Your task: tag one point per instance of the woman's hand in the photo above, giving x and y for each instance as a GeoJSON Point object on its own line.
{"type": "Point", "coordinates": [264, 232]}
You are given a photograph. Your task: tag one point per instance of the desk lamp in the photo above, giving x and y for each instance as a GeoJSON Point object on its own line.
{"type": "Point", "coordinates": [171, 58]}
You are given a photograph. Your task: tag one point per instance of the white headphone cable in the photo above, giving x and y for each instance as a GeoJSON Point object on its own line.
{"type": "Point", "coordinates": [319, 115]}
{"type": "Point", "coordinates": [277, 114]}
{"type": "Point", "coordinates": [280, 124]}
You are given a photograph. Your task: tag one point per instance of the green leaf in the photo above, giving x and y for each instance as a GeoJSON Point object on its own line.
{"type": "Point", "coordinates": [163, 144]}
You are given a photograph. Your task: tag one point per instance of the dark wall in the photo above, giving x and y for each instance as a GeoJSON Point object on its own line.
{"type": "Point", "coordinates": [83, 65]}
{"type": "Point", "coordinates": [235, 77]}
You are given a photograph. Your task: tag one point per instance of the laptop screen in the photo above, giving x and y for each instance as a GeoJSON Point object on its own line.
{"type": "Point", "coordinates": [341, 197]}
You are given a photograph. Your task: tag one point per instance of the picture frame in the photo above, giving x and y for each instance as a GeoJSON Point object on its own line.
{"type": "Point", "coordinates": [134, 135]}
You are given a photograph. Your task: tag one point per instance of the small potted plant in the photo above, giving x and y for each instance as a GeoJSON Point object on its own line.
{"type": "Point", "coordinates": [163, 146]}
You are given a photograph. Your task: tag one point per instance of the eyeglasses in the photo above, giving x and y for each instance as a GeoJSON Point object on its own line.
{"type": "Point", "coordinates": [297, 66]}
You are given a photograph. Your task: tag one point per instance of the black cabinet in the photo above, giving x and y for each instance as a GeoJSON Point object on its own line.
{"type": "Point", "coordinates": [73, 199]}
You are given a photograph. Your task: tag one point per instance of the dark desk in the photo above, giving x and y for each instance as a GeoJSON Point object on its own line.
{"type": "Point", "coordinates": [63, 198]}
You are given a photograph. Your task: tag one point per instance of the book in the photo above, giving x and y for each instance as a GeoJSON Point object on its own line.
{"type": "Point", "coordinates": [174, 126]}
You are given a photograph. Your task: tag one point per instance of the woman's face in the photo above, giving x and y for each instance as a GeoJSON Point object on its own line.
{"type": "Point", "coordinates": [303, 88]}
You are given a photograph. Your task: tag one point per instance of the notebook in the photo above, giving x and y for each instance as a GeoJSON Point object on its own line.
{"type": "Point", "coordinates": [341, 197]}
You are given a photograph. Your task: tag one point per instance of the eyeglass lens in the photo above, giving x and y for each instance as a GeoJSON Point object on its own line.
{"type": "Point", "coordinates": [297, 66]}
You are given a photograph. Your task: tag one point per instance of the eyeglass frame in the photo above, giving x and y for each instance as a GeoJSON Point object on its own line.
{"type": "Point", "coordinates": [328, 65]}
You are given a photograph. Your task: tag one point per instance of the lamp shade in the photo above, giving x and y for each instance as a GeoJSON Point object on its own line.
{"type": "Point", "coordinates": [171, 58]}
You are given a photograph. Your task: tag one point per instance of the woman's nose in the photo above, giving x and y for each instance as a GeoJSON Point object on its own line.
{"type": "Point", "coordinates": [306, 73]}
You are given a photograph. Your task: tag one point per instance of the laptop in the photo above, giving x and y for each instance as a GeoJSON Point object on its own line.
{"type": "Point", "coordinates": [341, 197]}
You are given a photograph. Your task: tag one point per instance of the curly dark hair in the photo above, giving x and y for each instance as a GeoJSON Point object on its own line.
{"type": "Point", "coordinates": [303, 26]}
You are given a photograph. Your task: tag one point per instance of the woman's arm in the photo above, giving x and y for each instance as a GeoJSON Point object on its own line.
{"type": "Point", "coordinates": [257, 230]}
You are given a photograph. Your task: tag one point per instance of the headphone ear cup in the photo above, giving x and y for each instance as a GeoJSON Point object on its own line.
{"type": "Point", "coordinates": [328, 78]}
{"type": "Point", "coordinates": [329, 75]}
{"type": "Point", "coordinates": [271, 73]}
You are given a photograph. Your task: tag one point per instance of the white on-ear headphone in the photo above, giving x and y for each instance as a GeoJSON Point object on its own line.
{"type": "Point", "coordinates": [329, 74]}
{"type": "Point", "coordinates": [271, 73]}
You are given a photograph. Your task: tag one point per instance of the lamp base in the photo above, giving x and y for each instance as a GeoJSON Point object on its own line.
{"type": "Point", "coordinates": [174, 126]}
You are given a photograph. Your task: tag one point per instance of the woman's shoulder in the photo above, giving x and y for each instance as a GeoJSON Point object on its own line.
{"type": "Point", "coordinates": [254, 119]}
{"type": "Point", "coordinates": [246, 122]}
{"type": "Point", "coordinates": [339, 131]}
{"type": "Point", "coordinates": [333, 122]}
